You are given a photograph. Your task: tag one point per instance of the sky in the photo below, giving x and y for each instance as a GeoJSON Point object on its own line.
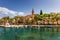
{"type": "Point", "coordinates": [23, 7]}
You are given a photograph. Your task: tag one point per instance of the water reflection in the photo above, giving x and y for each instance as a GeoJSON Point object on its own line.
{"type": "Point", "coordinates": [29, 33]}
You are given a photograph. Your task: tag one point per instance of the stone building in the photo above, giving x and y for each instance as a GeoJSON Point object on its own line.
{"type": "Point", "coordinates": [31, 16]}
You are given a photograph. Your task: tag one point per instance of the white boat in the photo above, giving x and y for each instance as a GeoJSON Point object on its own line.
{"type": "Point", "coordinates": [7, 24]}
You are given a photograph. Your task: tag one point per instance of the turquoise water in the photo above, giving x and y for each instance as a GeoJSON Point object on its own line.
{"type": "Point", "coordinates": [42, 33]}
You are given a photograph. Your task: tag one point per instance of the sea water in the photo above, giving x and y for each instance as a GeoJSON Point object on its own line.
{"type": "Point", "coordinates": [29, 33]}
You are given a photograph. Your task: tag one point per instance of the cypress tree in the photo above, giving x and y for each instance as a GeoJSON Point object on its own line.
{"type": "Point", "coordinates": [41, 12]}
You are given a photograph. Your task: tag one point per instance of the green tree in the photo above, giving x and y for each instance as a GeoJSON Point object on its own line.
{"type": "Point", "coordinates": [4, 19]}
{"type": "Point", "coordinates": [41, 12]}
{"type": "Point", "coordinates": [19, 19]}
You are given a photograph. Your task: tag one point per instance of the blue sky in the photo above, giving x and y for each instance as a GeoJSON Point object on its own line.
{"type": "Point", "coordinates": [25, 6]}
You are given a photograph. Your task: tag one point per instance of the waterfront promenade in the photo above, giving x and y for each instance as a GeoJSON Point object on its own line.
{"type": "Point", "coordinates": [30, 26]}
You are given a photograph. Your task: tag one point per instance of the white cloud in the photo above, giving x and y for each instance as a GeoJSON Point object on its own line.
{"type": "Point", "coordinates": [6, 12]}
{"type": "Point", "coordinates": [21, 13]}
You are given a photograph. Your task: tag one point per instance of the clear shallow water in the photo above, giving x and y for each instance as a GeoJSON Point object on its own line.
{"type": "Point", "coordinates": [29, 33]}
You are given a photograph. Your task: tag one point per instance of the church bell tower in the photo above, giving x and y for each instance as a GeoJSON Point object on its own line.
{"type": "Point", "coordinates": [33, 14]}
{"type": "Point", "coordinates": [32, 11]}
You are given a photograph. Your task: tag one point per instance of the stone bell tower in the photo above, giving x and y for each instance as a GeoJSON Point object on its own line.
{"type": "Point", "coordinates": [33, 14]}
{"type": "Point", "coordinates": [32, 11]}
